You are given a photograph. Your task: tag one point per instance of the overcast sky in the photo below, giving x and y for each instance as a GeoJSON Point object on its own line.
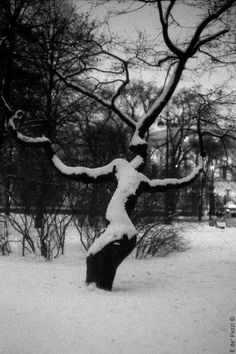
{"type": "Point", "coordinates": [146, 19]}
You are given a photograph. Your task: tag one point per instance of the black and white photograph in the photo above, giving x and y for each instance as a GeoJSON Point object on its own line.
{"type": "Point", "coordinates": [117, 176]}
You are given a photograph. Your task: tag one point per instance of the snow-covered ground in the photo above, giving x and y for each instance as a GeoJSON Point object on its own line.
{"type": "Point", "coordinates": [183, 303]}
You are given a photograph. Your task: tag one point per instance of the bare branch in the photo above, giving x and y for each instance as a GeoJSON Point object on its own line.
{"type": "Point", "coordinates": [9, 112]}
{"type": "Point", "coordinates": [201, 27]}
{"type": "Point", "coordinates": [210, 38]}
{"type": "Point", "coordinates": [122, 86]}
{"type": "Point", "coordinates": [110, 105]}
{"type": "Point", "coordinates": [195, 43]}
{"type": "Point", "coordinates": [164, 23]}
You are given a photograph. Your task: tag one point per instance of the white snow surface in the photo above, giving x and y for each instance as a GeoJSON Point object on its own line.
{"type": "Point", "coordinates": [178, 304]}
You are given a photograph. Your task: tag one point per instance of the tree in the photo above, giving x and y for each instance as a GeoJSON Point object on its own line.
{"type": "Point", "coordinates": [63, 35]}
{"type": "Point", "coordinates": [37, 38]}
{"type": "Point", "coordinates": [177, 149]}
{"type": "Point", "coordinates": [119, 238]}
{"type": "Point", "coordinates": [14, 77]}
{"type": "Point", "coordinates": [17, 78]}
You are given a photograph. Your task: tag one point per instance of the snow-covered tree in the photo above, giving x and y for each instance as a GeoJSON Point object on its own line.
{"type": "Point", "coordinates": [119, 238]}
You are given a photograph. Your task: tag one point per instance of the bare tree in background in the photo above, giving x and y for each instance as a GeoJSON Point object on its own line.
{"type": "Point", "coordinates": [119, 238]}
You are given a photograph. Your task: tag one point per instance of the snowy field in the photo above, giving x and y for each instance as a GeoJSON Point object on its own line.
{"type": "Point", "coordinates": [183, 303]}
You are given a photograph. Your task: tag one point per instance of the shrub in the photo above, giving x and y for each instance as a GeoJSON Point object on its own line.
{"type": "Point", "coordinates": [89, 229]}
{"type": "Point", "coordinates": [157, 239]}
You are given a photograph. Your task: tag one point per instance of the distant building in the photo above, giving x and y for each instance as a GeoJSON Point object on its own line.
{"type": "Point", "coordinates": [225, 180]}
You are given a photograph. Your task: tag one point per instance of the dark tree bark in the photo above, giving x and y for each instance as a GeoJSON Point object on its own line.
{"type": "Point", "coordinates": [102, 266]}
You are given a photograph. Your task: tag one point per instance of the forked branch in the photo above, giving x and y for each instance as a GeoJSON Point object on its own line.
{"type": "Point", "coordinates": [79, 173]}
{"type": "Point", "coordinates": [106, 103]}
{"type": "Point", "coordinates": [165, 26]}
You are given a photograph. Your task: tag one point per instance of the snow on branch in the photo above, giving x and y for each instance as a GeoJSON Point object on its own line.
{"type": "Point", "coordinates": [120, 224]}
{"type": "Point", "coordinates": [129, 181]}
{"type": "Point", "coordinates": [162, 185]}
{"type": "Point", "coordinates": [162, 100]}
{"type": "Point", "coordinates": [83, 174]}
{"type": "Point", "coordinates": [24, 138]}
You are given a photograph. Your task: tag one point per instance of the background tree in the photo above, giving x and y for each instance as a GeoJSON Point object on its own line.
{"type": "Point", "coordinates": [178, 138]}
{"type": "Point", "coordinates": [38, 38]}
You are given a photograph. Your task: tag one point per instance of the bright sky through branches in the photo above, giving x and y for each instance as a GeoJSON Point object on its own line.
{"type": "Point", "coordinates": [145, 19]}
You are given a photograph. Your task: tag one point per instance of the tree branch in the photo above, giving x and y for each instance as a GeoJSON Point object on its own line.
{"type": "Point", "coordinates": [79, 173]}
{"type": "Point", "coordinates": [162, 185]}
{"type": "Point", "coordinates": [209, 39]}
{"type": "Point", "coordinates": [204, 24]}
{"type": "Point", "coordinates": [164, 23]}
{"type": "Point", "coordinates": [9, 112]}
{"type": "Point", "coordinates": [108, 104]}
{"type": "Point", "coordinates": [161, 102]}
{"type": "Point", "coordinates": [122, 86]}
{"type": "Point", "coordinates": [183, 56]}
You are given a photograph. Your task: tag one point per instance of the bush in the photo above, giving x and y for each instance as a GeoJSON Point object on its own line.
{"type": "Point", "coordinates": [49, 238]}
{"type": "Point", "coordinates": [89, 229]}
{"type": "Point", "coordinates": [157, 239]}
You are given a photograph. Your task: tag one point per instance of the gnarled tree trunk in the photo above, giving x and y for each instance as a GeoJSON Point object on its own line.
{"type": "Point", "coordinates": [102, 266]}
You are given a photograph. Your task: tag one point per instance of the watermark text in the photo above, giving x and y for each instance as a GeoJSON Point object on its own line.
{"type": "Point", "coordinates": [232, 334]}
